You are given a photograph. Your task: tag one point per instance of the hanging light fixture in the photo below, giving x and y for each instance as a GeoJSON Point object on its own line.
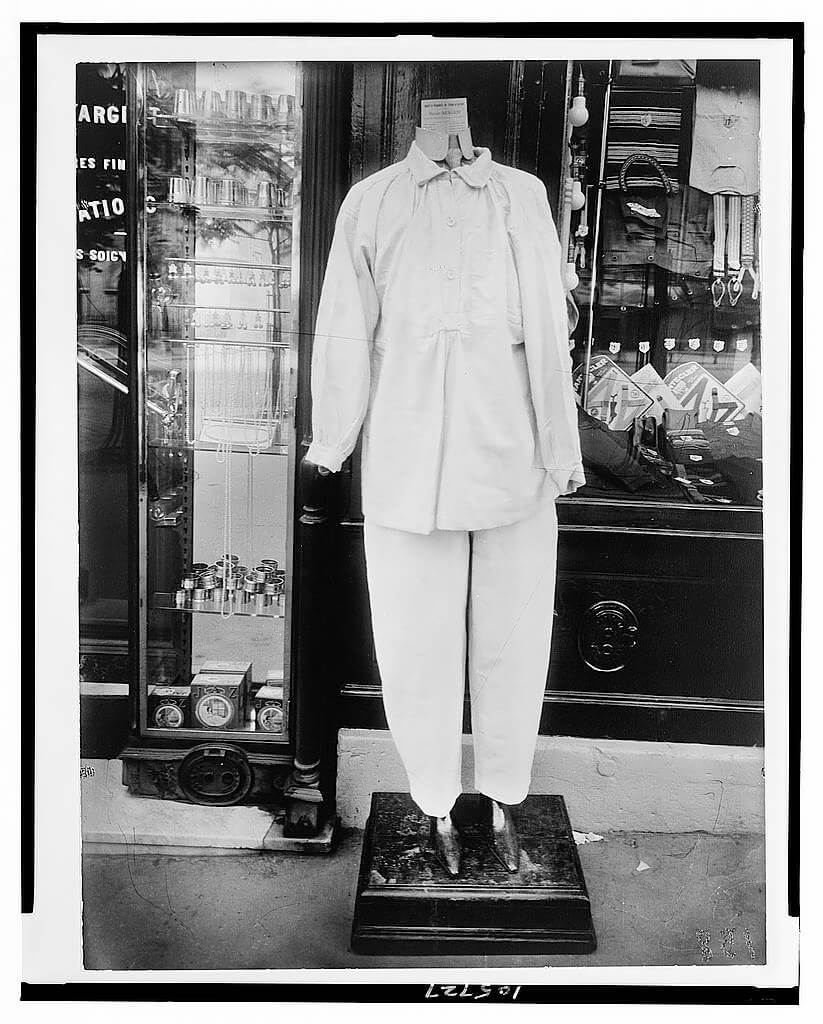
{"type": "Point", "coordinates": [578, 112]}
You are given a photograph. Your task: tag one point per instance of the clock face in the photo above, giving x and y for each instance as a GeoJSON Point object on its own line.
{"type": "Point", "coordinates": [214, 711]}
{"type": "Point", "coordinates": [270, 719]}
{"type": "Point", "coordinates": [168, 716]}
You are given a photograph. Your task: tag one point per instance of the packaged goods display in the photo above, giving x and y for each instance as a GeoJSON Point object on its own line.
{"type": "Point", "coordinates": [219, 144]}
{"type": "Point", "coordinates": [669, 300]}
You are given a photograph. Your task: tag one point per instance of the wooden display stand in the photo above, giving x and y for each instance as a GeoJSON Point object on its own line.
{"type": "Point", "coordinates": [407, 904]}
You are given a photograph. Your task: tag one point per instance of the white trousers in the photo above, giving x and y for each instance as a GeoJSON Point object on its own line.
{"type": "Point", "coordinates": [436, 597]}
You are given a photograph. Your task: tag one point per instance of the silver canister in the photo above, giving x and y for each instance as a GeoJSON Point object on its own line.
{"type": "Point", "coordinates": [260, 603]}
{"type": "Point", "coordinates": [184, 105]}
{"type": "Point", "coordinates": [270, 563]}
{"type": "Point", "coordinates": [203, 191]}
{"type": "Point", "coordinates": [211, 103]}
{"type": "Point", "coordinates": [225, 189]}
{"type": "Point", "coordinates": [261, 108]}
{"type": "Point", "coordinates": [281, 110]}
{"type": "Point", "coordinates": [266, 194]}
{"type": "Point", "coordinates": [180, 598]}
{"type": "Point", "coordinates": [237, 104]}
{"type": "Point", "coordinates": [260, 574]}
{"type": "Point", "coordinates": [178, 190]}
{"type": "Point", "coordinates": [198, 567]}
{"type": "Point", "coordinates": [189, 582]}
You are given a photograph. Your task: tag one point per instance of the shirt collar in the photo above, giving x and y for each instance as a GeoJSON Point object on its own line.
{"type": "Point", "coordinates": [423, 169]}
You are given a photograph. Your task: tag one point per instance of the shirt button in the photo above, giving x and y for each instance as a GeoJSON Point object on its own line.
{"type": "Point", "coordinates": [451, 275]}
{"type": "Point", "coordinates": [451, 221]}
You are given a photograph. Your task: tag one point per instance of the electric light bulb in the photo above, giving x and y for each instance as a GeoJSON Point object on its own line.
{"type": "Point", "coordinates": [578, 113]}
{"type": "Point", "coordinates": [570, 277]}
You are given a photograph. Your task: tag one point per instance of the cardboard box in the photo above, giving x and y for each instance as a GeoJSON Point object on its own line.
{"type": "Point", "coordinates": [232, 668]}
{"type": "Point", "coordinates": [268, 708]}
{"type": "Point", "coordinates": [218, 700]}
{"type": "Point", "coordinates": [169, 707]}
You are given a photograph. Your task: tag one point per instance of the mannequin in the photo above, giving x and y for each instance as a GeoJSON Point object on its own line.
{"type": "Point", "coordinates": [461, 489]}
{"type": "Point", "coordinates": [452, 150]}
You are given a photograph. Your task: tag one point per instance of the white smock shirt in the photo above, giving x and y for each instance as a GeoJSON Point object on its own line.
{"type": "Point", "coordinates": [442, 331]}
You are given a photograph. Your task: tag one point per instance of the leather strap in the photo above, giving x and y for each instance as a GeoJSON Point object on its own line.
{"type": "Point", "coordinates": [645, 158]}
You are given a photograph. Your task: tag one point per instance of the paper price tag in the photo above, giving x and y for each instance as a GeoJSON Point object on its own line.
{"type": "Point", "coordinates": [450, 116]}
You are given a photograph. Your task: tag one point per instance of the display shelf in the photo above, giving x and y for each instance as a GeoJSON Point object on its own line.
{"type": "Point", "coordinates": [241, 264]}
{"type": "Point", "coordinates": [239, 606]}
{"type": "Point", "coordinates": [201, 733]}
{"type": "Point", "coordinates": [211, 306]}
{"type": "Point", "coordinates": [223, 129]}
{"type": "Point", "coordinates": [240, 342]}
{"type": "Point", "coordinates": [276, 448]}
{"type": "Point", "coordinates": [265, 214]}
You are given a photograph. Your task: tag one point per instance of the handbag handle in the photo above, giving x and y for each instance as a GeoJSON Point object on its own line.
{"type": "Point", "coordinates": [645, 158]}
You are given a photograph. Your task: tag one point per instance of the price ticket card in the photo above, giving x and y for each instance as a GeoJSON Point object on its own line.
{"type": "Point", "coordinates": [450, 116]}
{"type": "Point", "coordinates": [746, 385]}
{"type": "Point", "coordinates": [613, 396]}
{"type": "Point", "coordinates": [652, 383]}
{"type": "Point", "coordinates": [702, 394]}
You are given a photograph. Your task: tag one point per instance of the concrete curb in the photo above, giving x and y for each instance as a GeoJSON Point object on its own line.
{"type": "Point", "coordinates": [115, 819]}
{"type": "Point", "coordinates": [609, 785]}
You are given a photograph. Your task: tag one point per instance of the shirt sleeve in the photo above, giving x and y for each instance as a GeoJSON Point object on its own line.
{"type": "Point", "coordinates": [546, 324]}
{"type": "Point", "coordinates": [346, 319]}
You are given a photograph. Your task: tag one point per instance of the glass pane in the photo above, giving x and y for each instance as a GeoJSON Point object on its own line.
{"type": "Point", "coordinates": [667, 350]}
{"type": "Point", "coordinates": [102, 370]}
{"type": "Point", "coordinates": [220, 177]}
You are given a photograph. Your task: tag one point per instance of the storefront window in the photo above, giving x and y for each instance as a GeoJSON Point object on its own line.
{"type": "Point", "coordinates": [102, 374]}
{"type": "Point", "coordinates": [665, 250]}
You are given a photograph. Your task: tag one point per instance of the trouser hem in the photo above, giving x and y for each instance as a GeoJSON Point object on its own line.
{"type": "Point", "coordinates": [502, 794]}
{"type": "Point", "coordinates": [435, 807]}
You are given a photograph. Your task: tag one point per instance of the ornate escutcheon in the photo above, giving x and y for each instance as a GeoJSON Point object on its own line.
{"type": "Point", "coordinates": [608, 634]}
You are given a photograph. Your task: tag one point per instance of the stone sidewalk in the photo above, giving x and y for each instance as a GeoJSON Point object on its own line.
{"type": "Point", "coordinates": [657, 899]}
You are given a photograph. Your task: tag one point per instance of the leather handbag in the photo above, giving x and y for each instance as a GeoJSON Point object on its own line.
{"type": "Point", "coordinates": [635, 222]}
{"type": "Point", "coordinates": [669, 227]}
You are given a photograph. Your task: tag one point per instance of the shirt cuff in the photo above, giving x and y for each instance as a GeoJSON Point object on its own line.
{"type": "Point", "coordinates": [328, 458]}
{"type": "Point", "coordinates": [568, 480]}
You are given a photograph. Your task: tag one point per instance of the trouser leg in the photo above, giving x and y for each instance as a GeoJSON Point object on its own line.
{"type": "Point", "coordinates": [511, 606]}
{"type": "Point", "coordinates": [418, 589]}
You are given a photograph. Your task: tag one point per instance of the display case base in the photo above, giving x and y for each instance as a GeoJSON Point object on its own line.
{"type": "Point", "coordinates": [324, 842]}
{"type": "Point", "coordinates": [209, 779]}
{"type": "Point", "coordinates": [407, 905]}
